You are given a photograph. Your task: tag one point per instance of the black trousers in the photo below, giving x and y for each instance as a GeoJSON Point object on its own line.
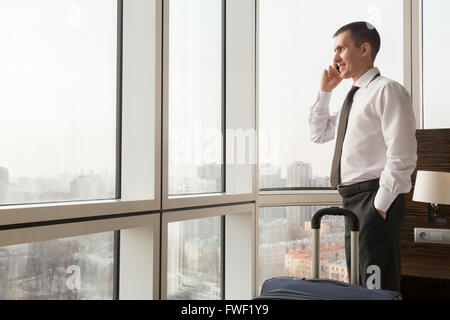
{"type": "Point", "coordinates": [379, 239]}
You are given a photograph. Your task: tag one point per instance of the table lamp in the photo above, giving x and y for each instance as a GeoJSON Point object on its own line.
{"type": "Point", "coordinates": [433, 188]}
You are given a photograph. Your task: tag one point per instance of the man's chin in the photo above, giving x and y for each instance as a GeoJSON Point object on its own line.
{"type": "Point", "coordinates": [345, 75]}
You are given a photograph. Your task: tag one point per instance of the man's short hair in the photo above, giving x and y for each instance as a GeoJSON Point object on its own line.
{"type": "Point", "coordinates": [363, 32]}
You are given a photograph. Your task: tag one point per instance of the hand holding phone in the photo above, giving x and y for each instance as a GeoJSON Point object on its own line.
{"type": "Point", "coordinates": [331, 78]}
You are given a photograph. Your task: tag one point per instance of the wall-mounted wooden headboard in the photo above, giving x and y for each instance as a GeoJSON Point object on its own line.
{"type": "Point", "coordinates": [419, 259]}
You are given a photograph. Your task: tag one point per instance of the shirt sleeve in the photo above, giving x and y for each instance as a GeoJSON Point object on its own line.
{"type": "Point", "coordinates": [399, 132]}
{"type": "Point", "coordinates": [321, 123]}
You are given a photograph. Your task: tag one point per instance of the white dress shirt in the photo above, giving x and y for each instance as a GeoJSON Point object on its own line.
{"type": "Point", "coordinates": [380, 141]}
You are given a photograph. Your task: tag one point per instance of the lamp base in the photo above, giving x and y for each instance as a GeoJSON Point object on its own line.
{"type": "Point", "coordinates": [433, 214]}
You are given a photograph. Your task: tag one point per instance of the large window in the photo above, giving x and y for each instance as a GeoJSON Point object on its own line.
{"type": "Point", "coordinates": [58, 119]}
{"type": "Point", "coordinates": [285, 244]}
{"type": "Point", "coordinates": [295, 45]}
{"type": "Point", "coordinates": [195, 97]}
{"type": "Point", "coordinates": [70, 269]}
{"type": "Point", "coordinates": [169, 86]}
{"type": "Point", "coordinates": [436, 27]}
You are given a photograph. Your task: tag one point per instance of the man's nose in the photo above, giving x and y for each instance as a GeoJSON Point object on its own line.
{"type": "Point", "coordinates": [337, 58]}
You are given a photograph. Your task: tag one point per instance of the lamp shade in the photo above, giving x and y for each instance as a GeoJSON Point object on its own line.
{"type": "Point", "coordinates": [432, 187]}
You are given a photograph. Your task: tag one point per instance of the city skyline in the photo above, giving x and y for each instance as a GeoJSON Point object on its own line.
{"type": "Point", "coordinates": [298, 174]}
{"type": "Point", "coordinates": [63, 187]}
{"type": "Point", "coordinates": [194, 259]}
{"type": "Point", "coordinates": [98, 185]}
{"type": "Point", "coordinates": [69, 268]}
{"type": "Point", "coordinates": [285, 243]}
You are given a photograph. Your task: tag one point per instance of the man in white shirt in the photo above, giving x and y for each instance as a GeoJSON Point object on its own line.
{"type": "Point", "coordinates": [376, 149]}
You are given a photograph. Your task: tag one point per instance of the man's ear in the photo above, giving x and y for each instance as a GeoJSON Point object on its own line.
{"type": "Point", "coordinates": [366, 49]}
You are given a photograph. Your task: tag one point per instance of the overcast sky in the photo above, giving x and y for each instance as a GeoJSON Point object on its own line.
{"type": "Point", "coordinates": [58, 86]}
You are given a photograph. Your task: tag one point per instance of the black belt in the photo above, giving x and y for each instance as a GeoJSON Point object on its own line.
{"type": "Point", "coordinates": [348, 191]}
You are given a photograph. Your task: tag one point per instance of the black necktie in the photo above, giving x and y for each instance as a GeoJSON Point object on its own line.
{"type": "Point", "coordinates": [343, 120]}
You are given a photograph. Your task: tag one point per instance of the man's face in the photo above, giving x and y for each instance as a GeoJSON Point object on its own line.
{"type": "Point", "coordinates": [347, 56]}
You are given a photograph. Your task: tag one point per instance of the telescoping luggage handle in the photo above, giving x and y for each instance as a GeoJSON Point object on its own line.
{"type": "Point", "coordinates": [354, 228]}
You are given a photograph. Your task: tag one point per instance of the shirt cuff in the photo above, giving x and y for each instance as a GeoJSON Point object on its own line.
{"type": "Point", "coordinates": [383, 199]}
{"type": "Point", "coordinates": [324, 99]}
{"type": "Point", "coordinates": [322, 102]}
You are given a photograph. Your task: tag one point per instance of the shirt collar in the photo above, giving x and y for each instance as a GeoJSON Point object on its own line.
{"type": "Point", "coordinates": [367, 78]}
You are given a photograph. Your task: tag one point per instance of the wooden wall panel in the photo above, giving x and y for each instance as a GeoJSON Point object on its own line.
{"type": "Point", "coordinates": [427, 260]}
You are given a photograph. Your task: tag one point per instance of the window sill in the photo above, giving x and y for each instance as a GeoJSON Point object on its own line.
{"type": "Point", "coordinates": [47, 212]}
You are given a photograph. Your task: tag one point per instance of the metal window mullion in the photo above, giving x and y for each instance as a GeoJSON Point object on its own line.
{"type": "Point", "coordinates": [223, 256]}
{"type": "Point", "coordinates": [116, 265]}
{"type": "Point", "coordinates": [224, 140]}
{"type": "Point", "coordinates": [420, 75]}
{"type": "Point", "coordinates": [163, 174]}
{"type": "Point", "coordinates": [116, 253]}
{"type": "Point", "coordinates": [224, 96]}
{"type": "Point", "coordinates": [119, 88]}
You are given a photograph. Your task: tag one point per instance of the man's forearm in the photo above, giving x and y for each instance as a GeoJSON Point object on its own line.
{"type": "Point", "coordinates": [321, 123]}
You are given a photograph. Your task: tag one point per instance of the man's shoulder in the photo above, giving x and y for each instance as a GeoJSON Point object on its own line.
{"type": "Point", "coordinates": [385, 81]}
{"type": "Point", "coordinates": [385, 84]}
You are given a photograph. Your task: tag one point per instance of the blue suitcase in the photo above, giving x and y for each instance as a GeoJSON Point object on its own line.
{"type": "Point", "coordinates": [289, 288]}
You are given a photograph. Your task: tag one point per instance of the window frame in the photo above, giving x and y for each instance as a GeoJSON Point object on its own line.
{"type": "Point", "coordinates": [413, 29]}
{"type": "Point", "coordinates": [413, 83]}
{"type": "Point", "coordinates": [411, 78]}
{"type": "Point", "coordinates": [24, 223]}
{"type": "Point", "coordinates": [30, 213]}
{"type": "Point", "coordinates": [29, 233]}
{"type": "Point", "coordinates": [236, 55]}
{"type": "Point", "coordinates": [243, 286]}
{"type": "Point", "coordinates": [417, 61]}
